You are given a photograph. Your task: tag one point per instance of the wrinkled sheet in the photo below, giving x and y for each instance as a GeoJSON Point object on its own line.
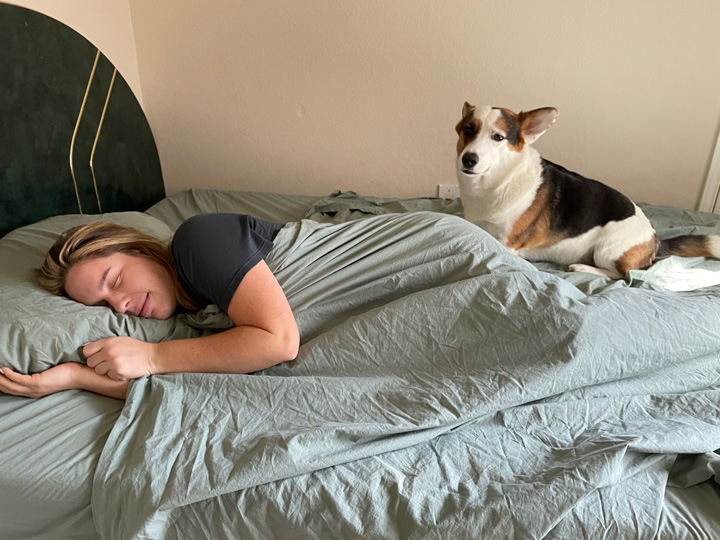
{"type": "Point", "coordinates": [444, 389]}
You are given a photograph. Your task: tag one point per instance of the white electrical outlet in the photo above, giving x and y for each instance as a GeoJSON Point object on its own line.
{"type": "Point", "coordinates": [448, 191]}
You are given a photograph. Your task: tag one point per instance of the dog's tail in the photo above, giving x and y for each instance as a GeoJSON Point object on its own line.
{"type": "Point", "coordinates": [690, 246]}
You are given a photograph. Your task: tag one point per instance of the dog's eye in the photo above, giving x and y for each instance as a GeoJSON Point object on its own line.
{"type": "Point", "coordinates": [497, 137]}
{"type": "Point", "coordinates": [468, 131]}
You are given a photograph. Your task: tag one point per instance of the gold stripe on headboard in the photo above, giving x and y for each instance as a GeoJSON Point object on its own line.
{"type": "Point", "coordinates": [77, 125]}
{"type": "Point", "coordinates": [97, 136]}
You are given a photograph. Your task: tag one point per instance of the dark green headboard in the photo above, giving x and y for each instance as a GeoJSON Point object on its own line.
{"type": "Point", "coordinates": [59, 93]}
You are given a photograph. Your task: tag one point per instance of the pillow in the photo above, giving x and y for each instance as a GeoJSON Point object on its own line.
{"type": "Point", "coordinates": [39, 330]}
{"type": "Point", "coordinates": [176, 208]}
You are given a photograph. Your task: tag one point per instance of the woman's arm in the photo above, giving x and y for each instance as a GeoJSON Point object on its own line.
{"type": "Point", "coordinates": [61, 377]}
{"type": "Point", "coordinates": [265, 334]}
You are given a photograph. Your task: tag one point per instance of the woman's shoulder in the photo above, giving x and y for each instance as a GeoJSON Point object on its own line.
{"type": "Point", "coordinates": [212, 252]}
{"type": "Point", "coordinates": [211, 222]}
{"type": "Point", "coordinates": [204, 232]}
{"type": "Point", "coordinates": [205, 226]}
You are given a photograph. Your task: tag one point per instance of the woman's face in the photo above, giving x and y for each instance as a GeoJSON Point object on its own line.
{"type": "Point", "coordinates": [126, 283]}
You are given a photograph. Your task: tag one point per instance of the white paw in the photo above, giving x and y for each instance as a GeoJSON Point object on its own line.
{"type": "Point", "coordinates": [583, 268]}
{"type": "Point", "coordinates": [589, 270]}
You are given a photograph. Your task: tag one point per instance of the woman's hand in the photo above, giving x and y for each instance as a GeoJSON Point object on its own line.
{"type": "Point", "coordinates": [121, 358]}
{"type": "Point", "coordinates": [37, 385]}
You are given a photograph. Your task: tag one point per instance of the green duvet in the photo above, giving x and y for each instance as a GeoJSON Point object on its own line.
{"type": "Point", "coordinates": [444, 389]}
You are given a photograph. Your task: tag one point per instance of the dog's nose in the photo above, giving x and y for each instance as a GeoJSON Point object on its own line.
{"type": "Point", "coordinates": [470, 159]}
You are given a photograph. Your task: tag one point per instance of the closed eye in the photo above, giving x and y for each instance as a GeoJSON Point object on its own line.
{"type": "Point", "coordinates": [116, 282]}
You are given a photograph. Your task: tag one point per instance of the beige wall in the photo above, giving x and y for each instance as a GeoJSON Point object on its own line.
{"type": "Point", "coordinates": [315, 95]}
{"type": "Point", "coordinates": [308, 96]}
{"type": "Point", "coordinates": [106, 24]}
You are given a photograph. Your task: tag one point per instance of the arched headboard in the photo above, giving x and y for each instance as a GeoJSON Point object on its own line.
{"type": "Point", "coordinates": [73, 137]}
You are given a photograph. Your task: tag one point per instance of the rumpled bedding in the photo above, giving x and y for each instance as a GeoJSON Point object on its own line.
{"type": "Point", "coordinates": [444, 389]}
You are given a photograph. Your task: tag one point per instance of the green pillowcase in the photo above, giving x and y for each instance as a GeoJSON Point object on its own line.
{"type": "Point", "coordinates": [39, 330]}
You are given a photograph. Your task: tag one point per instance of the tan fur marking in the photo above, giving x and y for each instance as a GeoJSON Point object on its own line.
{"type": "Point", "coordinates": [504, 129]}
{"type": "Point", "coordinates": [532, 229]}
{"type": "Point", "coordinates": [638, 257]}
{"type": "Point", "coordinates": [464, 139]}
{"type": "Point", "coordinates": [501, 126]}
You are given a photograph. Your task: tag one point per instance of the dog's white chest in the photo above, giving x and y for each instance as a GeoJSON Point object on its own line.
{"type": "Point", "coordinates": [496, 213]}
{"type": "Point", "coordinates": [498, 229]}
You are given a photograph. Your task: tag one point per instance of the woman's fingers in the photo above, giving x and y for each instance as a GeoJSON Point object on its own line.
{"type": "Point", "coordinates": [101, 368]}
{"type": "Point", "coordinates": [98, 358]}
{"type": "Point", "coordinates": [14, 383]}
{"type": "Point", "coordinates": [93, 348]}
{"type": "Point", "coordinates": [95, 359]}
{"type": "Point", "coordinates": [10, 374]}
{"type": "Point", "coordinates": [17, 378]}
{"type": "Point", "coordinates": [115, 377]}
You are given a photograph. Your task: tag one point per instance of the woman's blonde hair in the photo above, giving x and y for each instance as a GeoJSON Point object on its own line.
{"type": "Point", "coordinates": [100, 239]}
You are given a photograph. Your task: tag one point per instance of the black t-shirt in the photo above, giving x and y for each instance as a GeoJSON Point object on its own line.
{"type": "Point", "coordinates": [213, 252]}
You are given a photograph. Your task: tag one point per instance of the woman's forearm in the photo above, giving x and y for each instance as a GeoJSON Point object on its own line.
{"type": "Point", "coordinates": [242, 349]}
{"type": "Point", "coordinates": [67, 376]}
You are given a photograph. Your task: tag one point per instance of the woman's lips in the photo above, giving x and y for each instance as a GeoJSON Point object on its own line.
{"type": "Point", "coordinates": [144, 307]}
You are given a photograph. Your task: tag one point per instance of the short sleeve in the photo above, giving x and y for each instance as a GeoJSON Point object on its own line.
{"type": "Point", "coordinates": [213, 252]}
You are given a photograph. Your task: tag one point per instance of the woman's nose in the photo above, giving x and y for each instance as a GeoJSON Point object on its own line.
{"type": "Point", "coordinates": [120, 302]}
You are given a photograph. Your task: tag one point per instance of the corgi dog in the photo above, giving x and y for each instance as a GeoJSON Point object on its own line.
{"type": "Point", "coordinates": [543, 212]}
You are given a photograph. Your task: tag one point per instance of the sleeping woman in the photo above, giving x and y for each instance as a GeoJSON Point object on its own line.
{"type": "Point", "coordinates": [249, 268]}
{"type": "Point", "coordinates": [104, 264]}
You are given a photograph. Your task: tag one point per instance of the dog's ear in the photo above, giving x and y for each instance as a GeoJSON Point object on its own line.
{"type": "Point", "coordinates": [467, 109]}
{"type": "Point", "coordinates": [535, 123]}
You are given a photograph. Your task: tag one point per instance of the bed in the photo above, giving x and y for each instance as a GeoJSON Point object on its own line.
{"type": "Point", "coordinates": [469, 394]}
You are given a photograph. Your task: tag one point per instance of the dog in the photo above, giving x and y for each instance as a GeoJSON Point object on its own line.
{"type": "Point", "coordinates": [544, 212]}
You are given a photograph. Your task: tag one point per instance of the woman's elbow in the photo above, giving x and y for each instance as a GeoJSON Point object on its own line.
{"type": "Point", "coordinates": [288, 346]}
